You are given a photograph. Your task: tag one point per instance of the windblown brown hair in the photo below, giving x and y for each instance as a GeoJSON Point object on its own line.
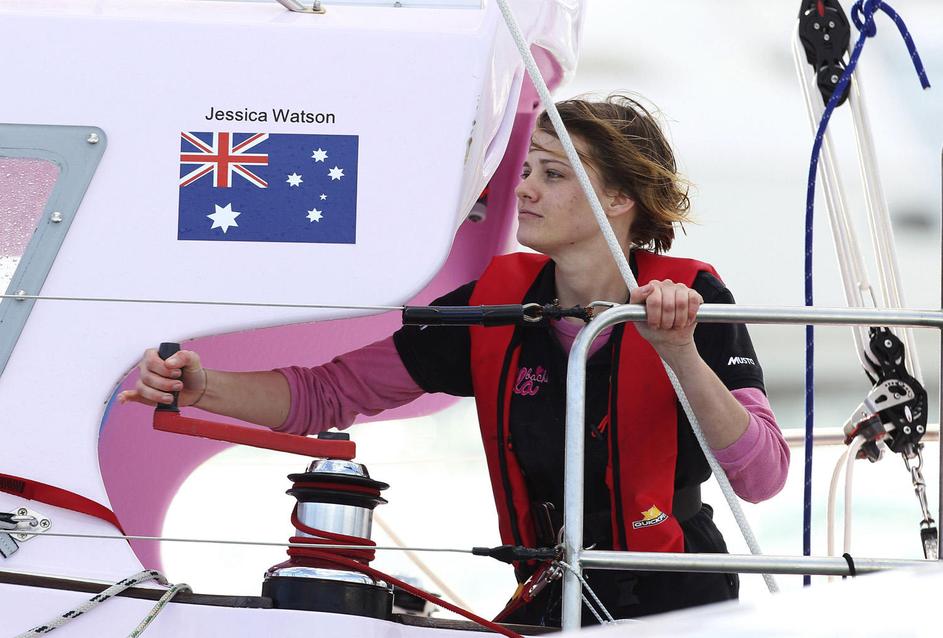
{"type": "Point", "coordinates": [630, 152]}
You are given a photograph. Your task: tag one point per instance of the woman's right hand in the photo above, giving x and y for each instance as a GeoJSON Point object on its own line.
{"type": "Point", "coordinates": [181, 373]}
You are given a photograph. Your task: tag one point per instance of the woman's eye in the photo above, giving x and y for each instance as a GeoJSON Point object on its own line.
{"type": "Point", "coordinates": [525, 174]}
{"type": "Point", "coordinates": [554, 174]}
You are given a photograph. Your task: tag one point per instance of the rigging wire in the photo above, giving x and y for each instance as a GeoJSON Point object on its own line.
{"type": "Point", "coordinates": [421, 564]}
{"type": "Point", "coordinates": [131, 537]}
{"type": "Point", "coordinates": [196, 302]}
{"type": "Point", "coordinates": [862, 15]}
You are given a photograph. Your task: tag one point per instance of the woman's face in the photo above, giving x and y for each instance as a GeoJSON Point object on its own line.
{"type": "Point", "coordinates": [553, 213]}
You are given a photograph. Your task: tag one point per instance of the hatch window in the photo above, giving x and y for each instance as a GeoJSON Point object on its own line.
{"type": "Point", "coordinates": [25, 187]}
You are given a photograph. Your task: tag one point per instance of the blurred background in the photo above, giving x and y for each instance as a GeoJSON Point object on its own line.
{"type": "Point", "coordinates": [723, 76]}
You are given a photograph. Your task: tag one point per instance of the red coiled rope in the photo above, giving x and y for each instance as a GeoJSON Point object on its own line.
{"type": "Point", "coordinates": [359, 559]}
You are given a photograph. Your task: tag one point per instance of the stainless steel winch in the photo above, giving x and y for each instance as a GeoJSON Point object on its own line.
{"type": "Point", "coordinates": [336, 497]}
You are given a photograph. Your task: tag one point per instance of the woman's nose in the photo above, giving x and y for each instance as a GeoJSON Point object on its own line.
{"type": "Point", "coordinates": [524, 189]}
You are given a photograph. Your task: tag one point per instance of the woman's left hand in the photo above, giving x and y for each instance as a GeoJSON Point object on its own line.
{"type": "Point", "coordinates": [672, 309]}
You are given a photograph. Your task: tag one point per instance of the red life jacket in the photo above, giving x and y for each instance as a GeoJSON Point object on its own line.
{"type": "Point", "coordinates": [643, 427]}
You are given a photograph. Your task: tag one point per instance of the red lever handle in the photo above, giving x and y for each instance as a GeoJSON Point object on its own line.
{"type": "Point", "coordinates": [256, 437]}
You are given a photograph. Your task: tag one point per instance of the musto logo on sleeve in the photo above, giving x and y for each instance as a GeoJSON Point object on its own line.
{"type": "Point", "coordinates": [651, 516]}
{"type": "Point", "coordinates": [275, 187]}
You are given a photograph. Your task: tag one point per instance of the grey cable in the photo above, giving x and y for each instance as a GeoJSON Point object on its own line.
{"type": "Point", "coordinates": [121, 537]}
{"type": "Point", "coordinates": [194, 302]}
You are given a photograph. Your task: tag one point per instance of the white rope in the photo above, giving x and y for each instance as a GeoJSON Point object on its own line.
{"type": "Point", "coordinates": [627, 275]}
{"type": "Point", "coordinates": [592, 609]}
{"type": "Point", "coordinates": [832, 498]}
{"type": "Point", "coordinates": [108, 594]}
{"type": "Point", "coordinates": [882, 231]}
{"type": "Point", "coordinates": [576, 572]}
{"type": "Point", "coordinates": [567, 143]}
{"type": "Point", "coordinates": [855, 280]}
{"type": "Point", "coordinates": [849, 489]}
{"type": "Point", "coordinates": [159, 607]}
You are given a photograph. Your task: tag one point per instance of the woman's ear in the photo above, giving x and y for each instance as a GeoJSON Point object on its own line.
{"type": "Point", "coordinates": [619, 204]}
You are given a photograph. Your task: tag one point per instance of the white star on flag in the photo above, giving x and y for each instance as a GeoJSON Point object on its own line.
{"type": "Point", "coordinates": [319, 155]}
{"type": "Point", "coordinates": [323, 197]}
{"type": "Point", "coordinates": [314, 215]}
{"type": "Point", "coordinates": [294, 180]}
{"type": "Point", "coordinates": [224, 217]}
{"type": "Point", "coordinates": [336, 173]}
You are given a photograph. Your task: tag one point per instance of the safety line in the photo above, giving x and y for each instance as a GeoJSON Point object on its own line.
{"type": "Point", "coordinates": [195, 302]}
{"type": "Point", "coordinates": [130, 537]}
{"type": "Point", "coordinates": [421, 564]}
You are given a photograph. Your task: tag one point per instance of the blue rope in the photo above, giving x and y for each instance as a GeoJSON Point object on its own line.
{"type": "Point", "coordinates": [862, 14]}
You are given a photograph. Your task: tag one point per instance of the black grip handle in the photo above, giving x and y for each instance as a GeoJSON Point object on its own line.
{"type": "Point", "coordinates": [510, 314]}
{"type": "Point", "coordinates": [165, 351]}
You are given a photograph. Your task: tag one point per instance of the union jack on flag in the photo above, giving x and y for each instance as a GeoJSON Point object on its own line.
{"type": "Point", "coordinates": [271, 187]}
{"type": "Point", "coordinates": [222, 158]}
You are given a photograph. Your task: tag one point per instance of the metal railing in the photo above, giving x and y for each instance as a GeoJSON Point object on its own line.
{"type": "Point", "coordinates": [579, 558]}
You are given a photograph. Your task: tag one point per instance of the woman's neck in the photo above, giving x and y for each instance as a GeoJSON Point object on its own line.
{"type": "Point", "coordinates": [582, 279]}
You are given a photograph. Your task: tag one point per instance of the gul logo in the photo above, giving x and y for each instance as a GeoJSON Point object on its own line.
{"type": "Point", "coordinates": [529, 380]}
{"type": "Point", "coordinates": [651, 516]}
{"type": "Point", "coordinates": [734, 361]}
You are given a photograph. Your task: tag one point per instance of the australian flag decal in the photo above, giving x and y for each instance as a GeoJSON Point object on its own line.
{"type": "Point", "coordinates": [268, 187]}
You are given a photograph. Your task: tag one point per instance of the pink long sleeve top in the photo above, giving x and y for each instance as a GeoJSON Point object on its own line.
{"type": "Point", "coordinates": [374, 378]}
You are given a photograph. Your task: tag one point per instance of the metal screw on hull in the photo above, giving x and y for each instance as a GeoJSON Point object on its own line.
{"type": "Point", "coordinates": [56, 217]}
{"type": "Point", "coordinates": [93, 138]}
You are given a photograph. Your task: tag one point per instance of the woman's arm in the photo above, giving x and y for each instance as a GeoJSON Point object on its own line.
{"type": "Point", "coordinates": [296, 400]}
{"type": "Point", "coordinates": [757, 463]}
{"type": "Point", "coordinates": [364, 381]}
{"type": "Point", "coordinates": [671, 310]}
{"type": "Point", "coordinates": [257, 397]}
{"type": "Point", "coordinates": [301, 400]}
{"type": "Point", "coordinates": [739, 425]}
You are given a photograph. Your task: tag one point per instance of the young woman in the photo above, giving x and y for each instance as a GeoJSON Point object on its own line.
{"type": "Point", "coordinates": [644, 467]}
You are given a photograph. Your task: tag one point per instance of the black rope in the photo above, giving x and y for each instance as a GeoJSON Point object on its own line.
{"type": "Point", "coordinates": [554, 311]}
{"type": "Point", "coordinates": [851, 565]}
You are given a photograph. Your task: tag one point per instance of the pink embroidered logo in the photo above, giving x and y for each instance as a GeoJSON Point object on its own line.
{"type": "Point", "coordinates": [529, 380]}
